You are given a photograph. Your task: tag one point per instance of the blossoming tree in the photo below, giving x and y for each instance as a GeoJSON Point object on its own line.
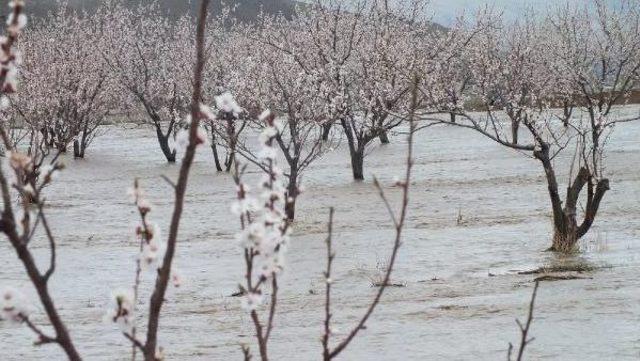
{"type": "Point", "coordinates": [68, 89]}
{"type": "Point", "coordinates": [531, 74]}
{"type": "Point", "coordinates": [149, 55]}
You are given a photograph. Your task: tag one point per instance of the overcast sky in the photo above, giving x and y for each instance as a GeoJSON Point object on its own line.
{"type": "Point", "coordinates": [445, 11]}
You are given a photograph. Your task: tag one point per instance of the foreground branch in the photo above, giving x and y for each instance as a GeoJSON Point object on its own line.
{"type": "Point", "coordinates": [524, 329]}
{"type": "Point", "coordinates": [399, 223]}
{"type": "Point", "coordinates": [164, 272]}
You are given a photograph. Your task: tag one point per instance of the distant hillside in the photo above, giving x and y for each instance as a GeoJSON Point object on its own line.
{"type": "Point", "coordinates": [247, 10]}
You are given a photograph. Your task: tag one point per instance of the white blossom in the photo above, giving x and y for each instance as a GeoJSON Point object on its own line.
{"type": "Point", "coordinates": [120, 310]}
{"type": "Point", "coordinates": [14, 306]}
{"type": "Point", "coordinates": [251, 301]}
{"type": "Point", "coordinates": [226, 103]}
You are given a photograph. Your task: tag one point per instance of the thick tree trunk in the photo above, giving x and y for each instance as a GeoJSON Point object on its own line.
{"type": "Point", "coordinates": [384, 137]}
{"type": "Point", "coordinates": [163, 140]}
{"type": "Point", "coordinates": [357, 164]}
{"type": "Point", "coordinates": [515, 126]}
{"type": "Point", "coordinates": [77, 151]}
{"type": "Point", "coordinates": [326, 130]}
{"type": "Point", "coordinates": [356, 152]}
{"type": "Point", "coordinates": [564, 237]}
{"type": "Point", "coordinates": [567, 232]}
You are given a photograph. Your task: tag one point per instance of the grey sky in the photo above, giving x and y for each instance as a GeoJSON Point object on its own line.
{"type": "Point", "coordinates": [445, 11]}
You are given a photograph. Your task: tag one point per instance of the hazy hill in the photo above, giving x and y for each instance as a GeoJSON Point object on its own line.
{"type": "Point", "coordinates": [247, 9]}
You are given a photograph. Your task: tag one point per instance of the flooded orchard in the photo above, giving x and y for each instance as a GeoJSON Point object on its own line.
{"type": "Point", "coordinates": [479, 221]}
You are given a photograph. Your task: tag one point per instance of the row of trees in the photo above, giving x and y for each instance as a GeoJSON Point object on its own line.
{"type": "Point", "coordinates": [540, 86]}
{"type": "Point", "coordinates": [264, 234]}
{"type": "Point", "coordinates": [342, 70]}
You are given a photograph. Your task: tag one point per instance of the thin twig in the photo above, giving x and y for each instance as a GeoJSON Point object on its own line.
{"type": "Point", "coordinates": [524, 329]}
{"type": "Point", "coordinates": [328, 281]}
{"type": "Point", "coordinates": [399, 225]}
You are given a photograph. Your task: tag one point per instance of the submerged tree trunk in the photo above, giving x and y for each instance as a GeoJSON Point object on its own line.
{"type": "Point", "coordinates": [163, 140]}
{"type": "Point", "coordinates": [384, 137]}
{"type": "Point", "coordinates": [77, 151]}
{"type": "Point", "coordinates": [80, 145]}
{"type": "Point", "coordinates": [326, 130]}
{"type": "Point", "coordinates": [291, 196]}
{"type": "Point", "coordinates": [228, 162]}
{"type": "Point", "coordinates": [357, 164]}
{"type": "Point", "coordinates": [567, 232]}
{"type": "Point", "coordinates": [515, 126]}
{"type": "Point", "coordinates": [356, 151]}
{"type": "Point", "coordinates": [214, 149]}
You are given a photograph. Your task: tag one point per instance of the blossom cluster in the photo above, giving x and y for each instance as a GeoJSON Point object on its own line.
{"type": "Point", "coordinates": [14, 306]}
{"type": "Point", "coordinates": [10, 59]}
{"type": "Point", "coordinates": [121, 310]}
{"type": "Point", "coordinates": [147, 234]}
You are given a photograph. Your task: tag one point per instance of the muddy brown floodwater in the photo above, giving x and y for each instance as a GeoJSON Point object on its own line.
{"type": "Point", "coordinates": [463, 287]}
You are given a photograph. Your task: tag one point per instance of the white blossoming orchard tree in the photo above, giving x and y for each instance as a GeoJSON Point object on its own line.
{"type": "Point", "coordinates": [150, 55]}
{"type": "Point", "coordinates": [292, 95]}
{"type": "Point", "coordinates": [68, 91]}
{"type": "Point", "coordinates": [361, 58]}
{"type": "Point", "coordinates": [224, 75]}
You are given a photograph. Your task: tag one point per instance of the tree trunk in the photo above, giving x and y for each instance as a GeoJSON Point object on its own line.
{"type": "Point", "coordinates": [593, 204]}
{"type": "Point", "coordinates": [78, 152]}
{"type": "Point", "coordinates": [567, 232]}
{"type": "Point", "coordinates": [452, 117]}
{"type": "Point", "coordinates": [214, 148]}
{"type": "Point", "coordinates": [163, 140]}
{"type": "Point", "coordinates": [562, 239]}
{"type": "Point", "coordinates": [291, 194]}
{"type": "Point", "coordinates": [52, 137]}
{"type": "Point", "coordinates": [357, 164]}
{"type": "Point", "coordinates": [356, 152]}
{"type": "Point", "coordinates": [229, 161]}
{"type": "Point", "coordinates": [326, 130]}
{"type": "Point", "coordinates": [84, 144]}
{"type": "Point", "coordinates": [515, 125]}
{"type": "Point", "coordinates": [384, 137]}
